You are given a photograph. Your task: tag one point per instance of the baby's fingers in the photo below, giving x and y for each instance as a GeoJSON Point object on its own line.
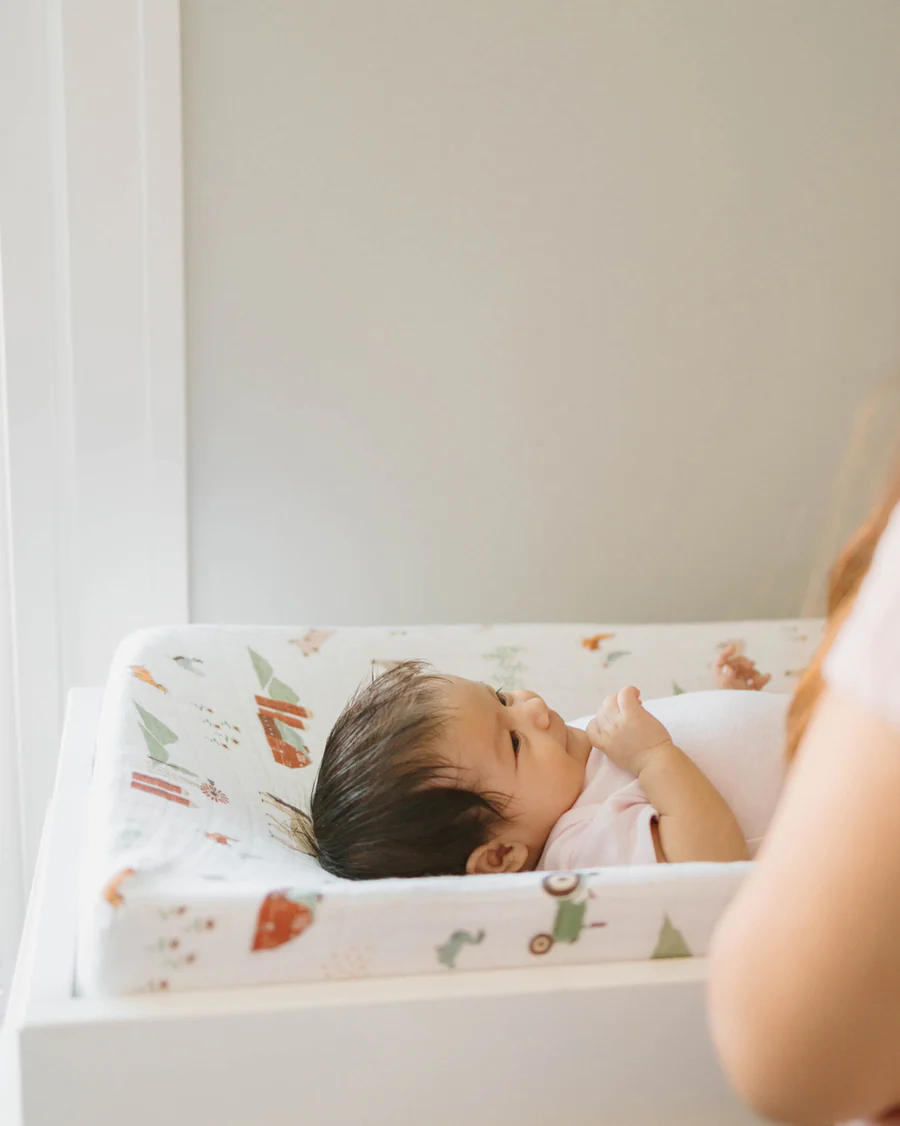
{"type": "Point", "coordinates": [630, 700]}
{"type": "Point", "coordinates": [609, 709]}
{"type": "Point", "coordinates": [728, 674]}
{"type": "Point", "coordinates": [727, 653]}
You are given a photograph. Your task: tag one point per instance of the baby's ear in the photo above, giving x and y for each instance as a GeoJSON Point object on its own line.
{"type": "Point", "coordinates": [497, 856]}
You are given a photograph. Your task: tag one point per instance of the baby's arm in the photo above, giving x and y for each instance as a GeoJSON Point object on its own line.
{"type": "Point", "coordinates": [695, 822]}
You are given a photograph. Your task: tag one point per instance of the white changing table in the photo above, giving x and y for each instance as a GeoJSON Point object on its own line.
{"type": "Point", "coordinates": [623, 1044]}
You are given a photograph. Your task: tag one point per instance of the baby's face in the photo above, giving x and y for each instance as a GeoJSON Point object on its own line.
{"type": "Point", "coordinates": [512, 744]}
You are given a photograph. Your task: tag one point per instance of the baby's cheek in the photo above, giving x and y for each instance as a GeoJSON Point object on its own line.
{"type": "Point", "coordinates": [563, 795]}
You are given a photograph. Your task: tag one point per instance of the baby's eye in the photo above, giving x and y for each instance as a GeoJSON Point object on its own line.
{"type": "Point", "coordinates": [503, 698]}
{"type": "Point", "coordinates": [515, 742]}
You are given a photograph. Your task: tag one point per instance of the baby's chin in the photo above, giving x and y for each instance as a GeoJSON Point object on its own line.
{"type": "Point", "coordinates": [578, 745]}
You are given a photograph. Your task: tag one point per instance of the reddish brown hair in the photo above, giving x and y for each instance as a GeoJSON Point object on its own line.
{"type": "Point", "coordinates": [847, 575]}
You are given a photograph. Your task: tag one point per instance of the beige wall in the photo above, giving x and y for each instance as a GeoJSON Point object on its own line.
{"type": "Point", "coordinates": [508, 309]}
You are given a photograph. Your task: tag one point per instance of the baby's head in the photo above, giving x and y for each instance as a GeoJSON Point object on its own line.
{"type": "Point", "coordinates": [431, 775]}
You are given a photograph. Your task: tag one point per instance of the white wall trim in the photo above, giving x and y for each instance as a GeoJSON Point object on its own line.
{"type": "Point", "coordinates": [124, 299]}
{"type": "Point", "coordinates": [32, 423]}
{"type": "Point", "coordinates": [91, 208]}
{"type": "Point", "coordinates": [161, 134]}
{"type": "Point", "coordinates": [12, 884]}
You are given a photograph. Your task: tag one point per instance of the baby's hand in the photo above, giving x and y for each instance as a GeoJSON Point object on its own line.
{"type": "Point", "coordinates": [626, 732]}
{"type": "Point", "coordinates": [734, 670]}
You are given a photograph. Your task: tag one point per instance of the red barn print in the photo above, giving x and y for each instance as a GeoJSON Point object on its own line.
{"type": "Point", "coordinates": [283, 915]}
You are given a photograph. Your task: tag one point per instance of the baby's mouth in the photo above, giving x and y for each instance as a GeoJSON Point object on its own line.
{"type": "Point", "coordinates": [555, 718]}
{"type": "Point", "coordinates": [572, 747]}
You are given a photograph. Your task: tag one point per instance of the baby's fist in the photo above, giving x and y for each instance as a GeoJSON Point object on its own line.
{"type": "Point", "coordinates": [626, 732]}
{"type": "Point", "coordinates": [734, 670]}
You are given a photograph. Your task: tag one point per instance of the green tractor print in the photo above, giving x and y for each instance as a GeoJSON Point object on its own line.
{"type": "Point", "coordinates": [572, 895]}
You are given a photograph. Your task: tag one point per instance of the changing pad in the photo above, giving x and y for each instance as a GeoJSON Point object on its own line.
{"type": "Point", "coordinates": [208, 734]}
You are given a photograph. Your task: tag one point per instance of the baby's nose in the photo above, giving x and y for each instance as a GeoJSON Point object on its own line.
{"type": "Point", "coordinates": [535, 708]}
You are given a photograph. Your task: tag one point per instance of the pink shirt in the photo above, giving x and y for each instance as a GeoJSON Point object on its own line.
{"type": "Point", "coordinates": [609, 825]}
{"type": "Point", "coordinates": [736, 738]}
{"type": "Point", "coordinates": [864, 662]}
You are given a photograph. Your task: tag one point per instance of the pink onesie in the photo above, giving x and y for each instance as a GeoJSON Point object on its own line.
{"type": "Point", "coordinates": [736, 738]}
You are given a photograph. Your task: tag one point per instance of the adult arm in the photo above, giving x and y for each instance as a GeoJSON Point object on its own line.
{"type": "Point", "coordinates": [805, 968]}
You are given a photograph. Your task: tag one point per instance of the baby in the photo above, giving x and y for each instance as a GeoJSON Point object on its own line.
{"type": "Point", "coordinates": [425, 774]}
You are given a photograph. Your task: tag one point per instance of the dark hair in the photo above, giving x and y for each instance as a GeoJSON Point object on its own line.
{"type": "Point", "coordinates": [385, 802]}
